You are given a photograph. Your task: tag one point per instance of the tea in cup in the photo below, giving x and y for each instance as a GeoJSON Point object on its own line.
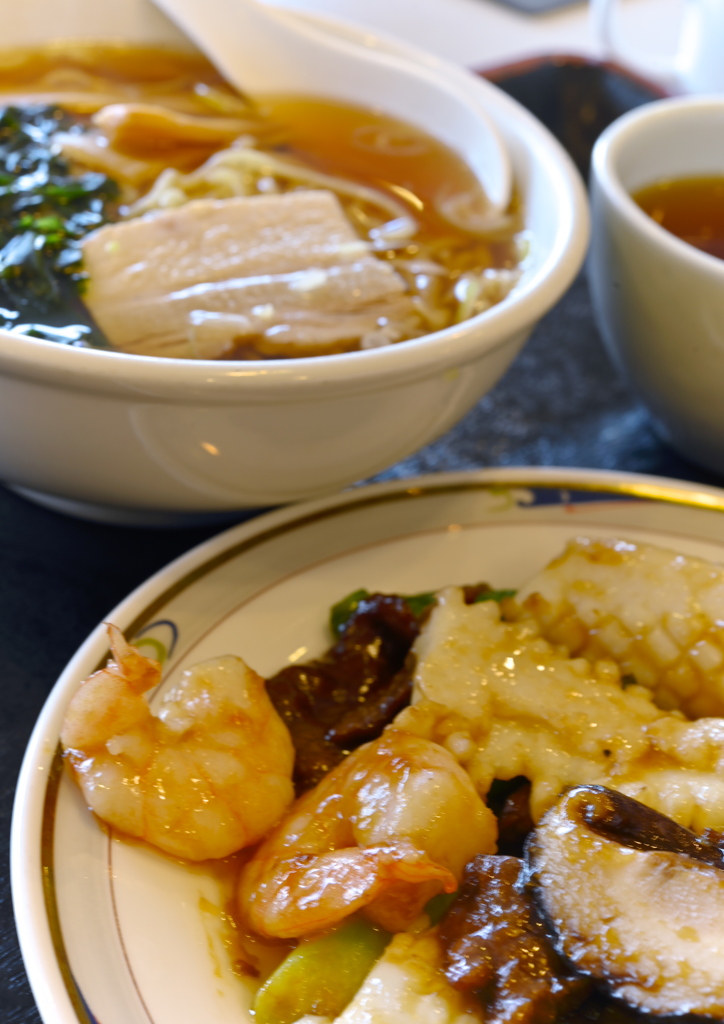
{"type": "Point", "coordinates": [692, 208]}
{"type": "Point", "coordinates": [657, 298]}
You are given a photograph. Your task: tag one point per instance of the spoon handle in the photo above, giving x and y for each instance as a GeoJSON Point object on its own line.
{"type": "Point", "coordinates": [250, 44]}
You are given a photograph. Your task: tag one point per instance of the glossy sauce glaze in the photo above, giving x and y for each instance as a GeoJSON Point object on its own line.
{"type": "Point", "coordinates": [498, 950]}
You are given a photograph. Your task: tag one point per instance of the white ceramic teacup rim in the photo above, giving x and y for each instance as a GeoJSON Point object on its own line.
{"type": "Point", "coordinates": [453, 346]}
{"type": "Point", "coordinates": [607, 152]}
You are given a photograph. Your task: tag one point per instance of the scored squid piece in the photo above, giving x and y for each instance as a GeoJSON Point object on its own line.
{"type": "Point", "coordinates": [510, 704]}
{"type": "Point", "coordinates": [634, 900]}
{"type": "Point", "coordinates": [525, 709]}
{"type": "Point", "coordinates": [408, 984]}
{"type": "Point", "coordinates": [258, 257]}
{"type": "Point", "coordinates": [658, 613]}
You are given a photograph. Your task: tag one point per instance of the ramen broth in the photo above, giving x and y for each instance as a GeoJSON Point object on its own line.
{"type": "Point", "coordinates": [104, 72]}
{"type": "Point", "coordinates": [167, 130]}
{"type": "Point", "coordinates": [396, 158]}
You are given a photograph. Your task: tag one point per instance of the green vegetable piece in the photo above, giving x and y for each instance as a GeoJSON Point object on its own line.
{"type": "Point", "coordinates": [438, 906]}
{"type": "Point", "coordinates": [417, 603]}
{"type": "Point", "coordinates": [322, 975]}
{"type": "Point", "coordinates": [343, 610]}
{"type": "Point", "coordinates": [494, 595]}
{"type": "Point", "coordinates": [49, 225]}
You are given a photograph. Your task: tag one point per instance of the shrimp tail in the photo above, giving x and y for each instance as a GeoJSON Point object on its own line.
{"type": "Point", "coordinates": [110, 701]}
{"type": "Point", "coordinates": [406, 885]}
{"type": "Point", "coordinates": [140, 672]}
{"type": "Point", "coordinates": [298, 898]}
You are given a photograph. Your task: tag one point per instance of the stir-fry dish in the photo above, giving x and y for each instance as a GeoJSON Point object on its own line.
{"type": "Point", "coordinates": [147, 207]}
{"type": "Point", "coordinates": [478, 805]}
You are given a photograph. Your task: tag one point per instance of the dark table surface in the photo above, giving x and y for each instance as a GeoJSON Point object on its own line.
{"type": "Point", "coordinates": [560, 404]}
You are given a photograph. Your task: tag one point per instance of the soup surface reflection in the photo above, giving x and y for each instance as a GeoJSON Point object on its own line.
{"type": "Point", "coordinates": [147, 207]}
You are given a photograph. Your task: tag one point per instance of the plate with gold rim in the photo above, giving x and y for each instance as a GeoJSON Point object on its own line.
{"type": "Point", "coordinates": [114, 933]}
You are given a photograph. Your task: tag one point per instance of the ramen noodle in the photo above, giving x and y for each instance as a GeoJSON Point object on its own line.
{"type": "Point", "coordinates": [147, 207]}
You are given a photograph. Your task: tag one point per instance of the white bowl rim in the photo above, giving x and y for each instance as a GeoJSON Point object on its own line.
{"type": "Point", "coordinates": [606, 153]}
{"type": "Point", "coordinates": [457, 345]}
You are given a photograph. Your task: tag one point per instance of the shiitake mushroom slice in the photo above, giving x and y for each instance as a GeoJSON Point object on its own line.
{"type": "Point", "coordinates": [633, 900]}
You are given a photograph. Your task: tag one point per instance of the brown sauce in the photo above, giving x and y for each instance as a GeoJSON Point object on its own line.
{"type": "Point", "coordinates": [250, 955]}
{"type": "Point", "coordinates": [496, 944]}
{"type": "Point", "coordinates": [347, 696]}
{"type": "Point", "coordinates": [690, 208]}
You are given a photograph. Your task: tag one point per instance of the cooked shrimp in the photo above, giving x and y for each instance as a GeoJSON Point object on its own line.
{"type": "Point", "coordinates": [208, 775]}
{"type": "Point", "coordinates": [388, 828]}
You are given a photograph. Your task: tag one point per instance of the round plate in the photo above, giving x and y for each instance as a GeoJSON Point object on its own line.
{"type": "Point", "coordinates": [115, 933]}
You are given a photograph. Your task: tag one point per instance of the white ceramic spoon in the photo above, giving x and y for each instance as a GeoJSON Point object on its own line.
{"type": "Point", "coordinates": [266, 50]}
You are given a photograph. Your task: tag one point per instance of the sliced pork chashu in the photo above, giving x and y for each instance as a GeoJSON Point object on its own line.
{"type": "Point", "coordinates": [236, 267]}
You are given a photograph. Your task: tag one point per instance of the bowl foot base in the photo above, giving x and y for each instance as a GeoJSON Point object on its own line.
{"type": "Point", "coordinates": [119, 516]}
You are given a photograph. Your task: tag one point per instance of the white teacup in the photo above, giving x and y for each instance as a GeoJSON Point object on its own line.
{"type": "Point", "coordinates": [659, 301]}
{"type": "Point", "coordinates": [698, 63]}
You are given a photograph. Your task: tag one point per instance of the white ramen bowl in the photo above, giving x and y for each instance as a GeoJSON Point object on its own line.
{"type": "Point", "coordinates": [130, 438]}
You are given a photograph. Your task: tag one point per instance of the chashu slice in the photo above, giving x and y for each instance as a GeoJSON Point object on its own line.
{"type": "Point", "coordinates": [253, 257]}
{"type": "Point", "coordinates": [342, 302]}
